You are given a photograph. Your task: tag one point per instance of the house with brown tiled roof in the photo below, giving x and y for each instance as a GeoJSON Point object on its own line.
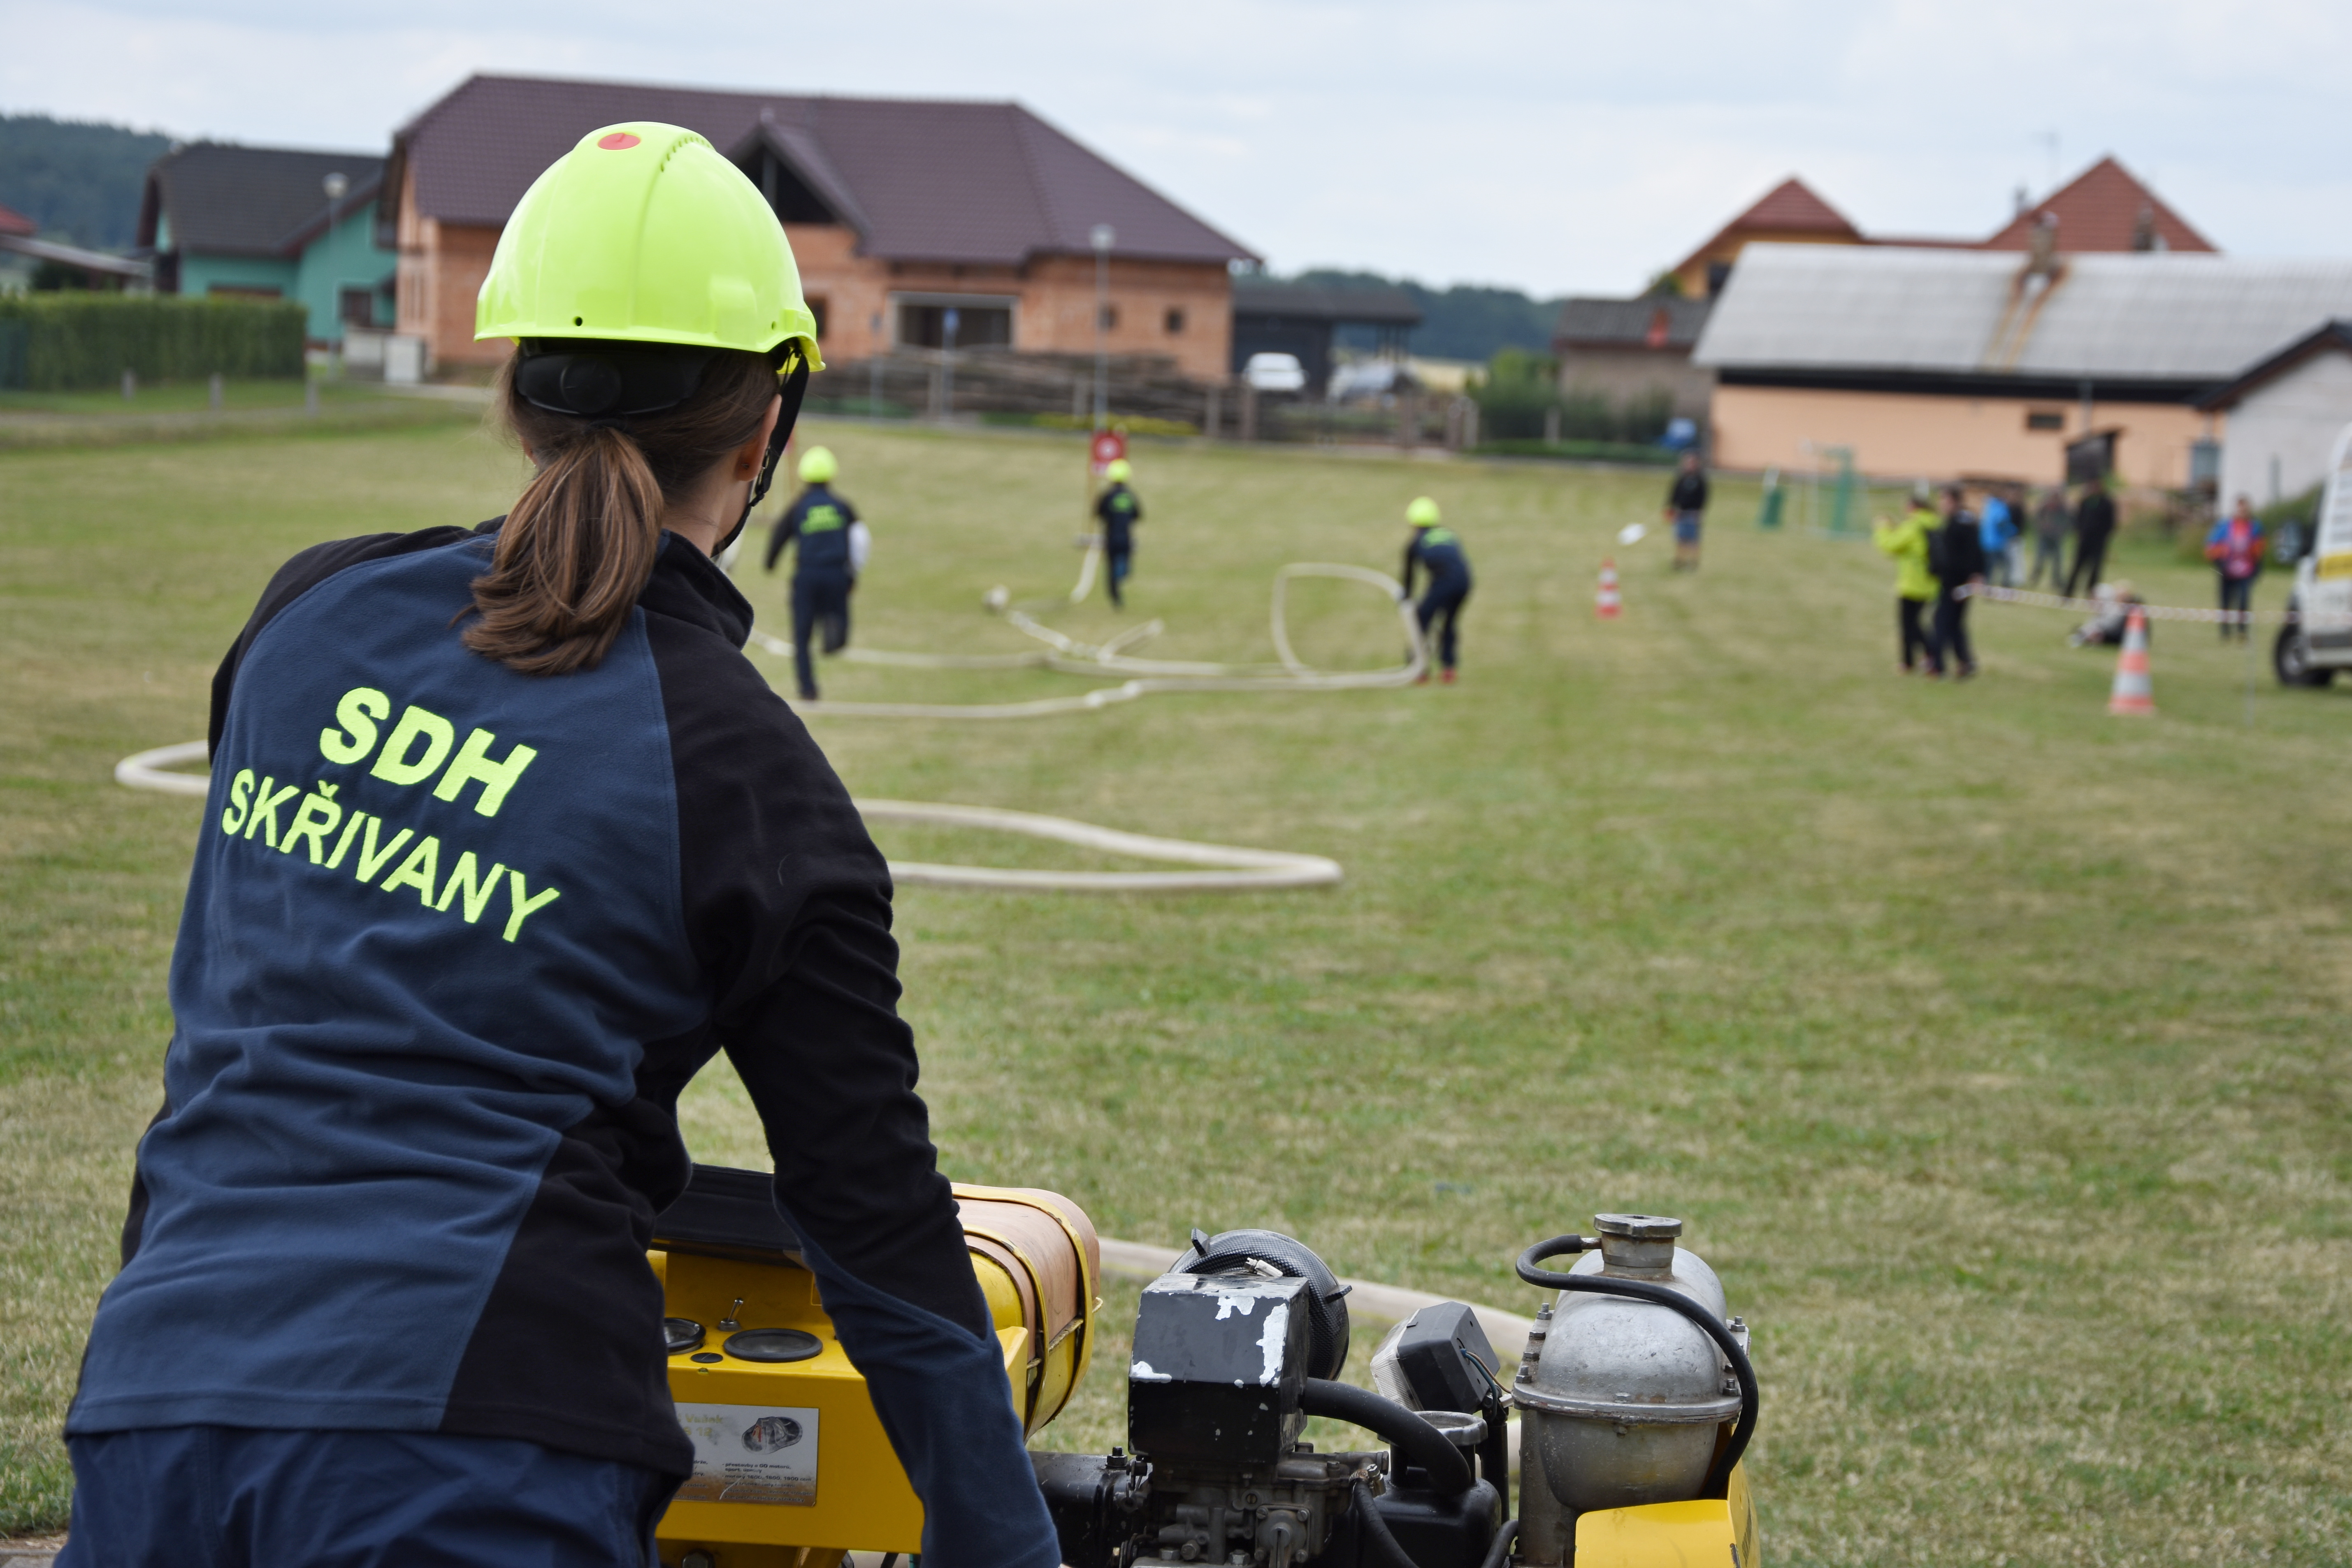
{"type": "Point", "coordinates": [899, 211]}
{"type": "Point", "coordinates": [1788, 214]}
{"type": "Point", "coordinates": [2101, 209]}
{"type": "Point", "coordinates": [2104, 208]}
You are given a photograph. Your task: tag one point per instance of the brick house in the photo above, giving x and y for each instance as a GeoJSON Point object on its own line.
{"type": "Point", "coordinates": [898, 210]}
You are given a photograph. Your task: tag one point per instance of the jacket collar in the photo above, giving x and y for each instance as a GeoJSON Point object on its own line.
{"type": "Point", "coordinates": [687, 585]}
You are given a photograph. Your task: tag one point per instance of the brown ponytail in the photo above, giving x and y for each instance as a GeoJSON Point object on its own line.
{"type": "Point", "coordinates": [577, 549]}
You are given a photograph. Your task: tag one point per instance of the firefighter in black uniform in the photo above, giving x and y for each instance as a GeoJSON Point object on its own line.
{"type": "Point", "coordinates": [824, 572]}
{"type": "Point", "coordinates": [1436, 550]}
{"type": "Point", "coordinates": [1120, 511]}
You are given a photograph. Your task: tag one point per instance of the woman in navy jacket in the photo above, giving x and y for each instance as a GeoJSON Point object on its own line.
{"type": "Point", "coordinates": [506, 840]}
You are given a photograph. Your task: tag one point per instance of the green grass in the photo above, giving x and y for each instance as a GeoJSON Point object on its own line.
{"type": "Point", "coordinates": [1993, 1049]}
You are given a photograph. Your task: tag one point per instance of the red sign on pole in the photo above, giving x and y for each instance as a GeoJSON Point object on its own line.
{"type": "Point", "coordinates": [1109, 446]}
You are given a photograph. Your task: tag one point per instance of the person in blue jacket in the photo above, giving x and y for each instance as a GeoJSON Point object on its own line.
{"type": "Point", "coordinates": [826, 567]}
{"type": "Point", "coordinates": [1437, 551]}
{"type": "Point", "coordinates": [505, 841]}
{"type": "Point", "coordinates": [1118, 510]}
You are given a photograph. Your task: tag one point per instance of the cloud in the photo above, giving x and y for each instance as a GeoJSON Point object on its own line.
{"type": "Point", "coordinates": [1555, 147]}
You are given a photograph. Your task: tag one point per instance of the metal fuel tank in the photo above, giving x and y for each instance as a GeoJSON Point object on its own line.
{"type": "Point", "coordinates": [1623, 1403]}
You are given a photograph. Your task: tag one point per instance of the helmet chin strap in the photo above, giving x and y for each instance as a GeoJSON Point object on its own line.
{"type": "Point", "coordinates": [794, 387]}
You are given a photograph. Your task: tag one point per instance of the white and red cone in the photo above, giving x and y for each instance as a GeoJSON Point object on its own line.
{"type": "Point", "coordinates": [1606, 604]}
{"type": "Point", "coordinates": [2133, 694]}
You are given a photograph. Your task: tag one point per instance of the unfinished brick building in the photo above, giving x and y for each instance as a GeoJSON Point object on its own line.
{"type": "Point", "coordinates": [898, 211]}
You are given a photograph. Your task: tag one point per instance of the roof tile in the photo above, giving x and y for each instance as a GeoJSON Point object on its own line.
{"type": "Point", "coordinates": [924, 179]}
{"type": "Point", "coordinates": [247, 201]}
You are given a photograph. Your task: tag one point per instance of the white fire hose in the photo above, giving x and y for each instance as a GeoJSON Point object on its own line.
{"type": "Point", "coordinates": [1220, 867]}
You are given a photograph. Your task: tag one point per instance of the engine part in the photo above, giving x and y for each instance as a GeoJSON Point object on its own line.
{"type": "Point", "coordinates": [1269, 1253]}
{"type": "Point", "coordinates": [1232, 1354]}
{"type": "Point", "coordinates": [1438, 1359]}
{"type": "Point", "coordinates": [1636, 1393]}
{"type": "Point", "coordinates": [778, 1413]}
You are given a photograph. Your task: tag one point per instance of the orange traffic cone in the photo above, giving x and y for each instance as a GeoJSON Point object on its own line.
{"type": "Point", "coordinates": [2132, 693]}
{"type": "Point", "coordinates": [1605, 603]}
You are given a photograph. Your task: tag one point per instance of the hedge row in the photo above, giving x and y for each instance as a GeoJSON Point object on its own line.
{"type": "Point", "coordinates": [70, 340]}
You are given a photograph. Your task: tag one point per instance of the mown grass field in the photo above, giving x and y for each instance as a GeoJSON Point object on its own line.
{"type": "Point", "coordinates": [1993, 1050]}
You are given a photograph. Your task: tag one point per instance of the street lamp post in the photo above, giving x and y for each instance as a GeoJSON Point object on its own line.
{"type": "Point", "coordinates": [1104, 237]}
{"type": "Point", "coordinates": [949, 320]}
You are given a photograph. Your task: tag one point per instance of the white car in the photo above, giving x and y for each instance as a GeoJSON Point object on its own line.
{"type": "Point", "coordinates": [2318, 642]}
{"type": "Point", "coordinates": [1275, 372]}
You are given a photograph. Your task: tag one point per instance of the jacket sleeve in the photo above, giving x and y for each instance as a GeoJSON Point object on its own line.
{"type": "Point", "coordinates": [787, 905]}
{"type": "Point", "coordinates": [786, 527]}
{"type": "Point", "coordinates": [1411, 559]}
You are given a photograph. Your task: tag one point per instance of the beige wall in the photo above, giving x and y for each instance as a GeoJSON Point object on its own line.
{"type": "Point", "coordinates": [1621, 374]}
{"type": "Point", "coordinates": [1903, 436]}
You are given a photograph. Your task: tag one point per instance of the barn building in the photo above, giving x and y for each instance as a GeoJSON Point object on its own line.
{"type": "Point", "coordinates": [1989, 364]}
{"type": "Point", "coordinates": [898, 212]}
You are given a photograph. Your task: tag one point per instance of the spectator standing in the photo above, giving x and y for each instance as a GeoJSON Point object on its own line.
{"type": "Point", "coordinates": [1956, 555]}
{"type": "Point", "coordinates": [2235, 548]}
{"type": "Point", "coordinates": [1686, 509]}
{"type": "Point", "coordinates": [2052, 523]}
{"type": "Point", "coordinates": [1998, 527]}
{"type": "Point", "coordinates": [2095, 524]}
{"type": "Point", "coordinates": [1914, 584]}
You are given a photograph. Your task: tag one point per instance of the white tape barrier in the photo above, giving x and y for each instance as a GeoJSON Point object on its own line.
{"type": "Point", "coordinates": [1066, 656]}
{"type": "Point", "coordinates": [1230, 868]}
{"type": "Point", "coordinates": [2153, 612]}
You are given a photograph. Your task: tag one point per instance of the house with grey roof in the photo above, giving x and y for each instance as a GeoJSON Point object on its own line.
{"type": "Point", "coordinates": [1991, 364]}
{"type": "Point", "coordinates": [903, 214]}
{"type": "Point", "coordinates": [270, 223]}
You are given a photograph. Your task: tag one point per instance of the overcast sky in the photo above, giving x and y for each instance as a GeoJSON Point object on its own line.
{"type": "Point", "coordinates": [1555, 148]}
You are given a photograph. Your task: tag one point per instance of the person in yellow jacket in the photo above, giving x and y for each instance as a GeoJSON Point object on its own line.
{"type": "Point", "coordinates": [1914, 583]}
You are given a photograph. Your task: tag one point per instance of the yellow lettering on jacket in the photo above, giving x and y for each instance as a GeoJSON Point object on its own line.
{"type": "Point", "coordinates": [360, 707]}
{"type": "Point", "coordinates": [350, 826]}
{"type": "Point", "coordinates": [314, 821]}
{"type": "Point", "coordinates": [395, 765]}
{"type": "Point", "coordinates": [240, 797]}
{"type": "Point", "coordinates": [371, 862]}
{"type": "Point", "coordinates": [419, 871]}
{"type": "Point", "coordinates": [521, 901]}
{"type": "Point", "coordinates": [265, 809]}
{"type": "Point", "coordinates": [477, 894]}
{"type": "Point", "coordinates": [473, 761]}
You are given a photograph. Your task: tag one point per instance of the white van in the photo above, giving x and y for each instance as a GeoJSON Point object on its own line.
{"type": "Point", "coordinates": [2318, 642]}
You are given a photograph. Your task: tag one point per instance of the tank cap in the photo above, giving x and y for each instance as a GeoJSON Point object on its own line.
{"type": "Point", "coordinates": [1638, 1227]}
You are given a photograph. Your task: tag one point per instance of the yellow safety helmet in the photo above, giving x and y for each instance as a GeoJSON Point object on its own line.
{"type": "Point", "coordinates": [818, 467]}
{"type": "Point", "coordinates": [1422, 513]}
{"type": "Point", "coordinates": [643, 234]}
{"type": "Point", "coordinates": [1119, 471]}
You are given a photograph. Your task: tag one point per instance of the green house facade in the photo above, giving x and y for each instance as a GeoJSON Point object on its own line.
{"type": "Point", "coordinates": [275, 223]}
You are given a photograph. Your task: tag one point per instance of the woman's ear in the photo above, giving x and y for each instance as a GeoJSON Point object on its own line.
{"type": "Point", "coordinates": [754, 452]}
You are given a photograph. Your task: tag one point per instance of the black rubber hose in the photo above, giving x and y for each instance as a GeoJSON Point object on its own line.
{"type": "Point", "coordinates": [1422, 1444]}
{"type": "Point", "coordinates": [1500, 1552]}
{"type": "Point", "coordinates": [1718, 1477]}
{"type": "Point", "coordinates": [1370, 1527]}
